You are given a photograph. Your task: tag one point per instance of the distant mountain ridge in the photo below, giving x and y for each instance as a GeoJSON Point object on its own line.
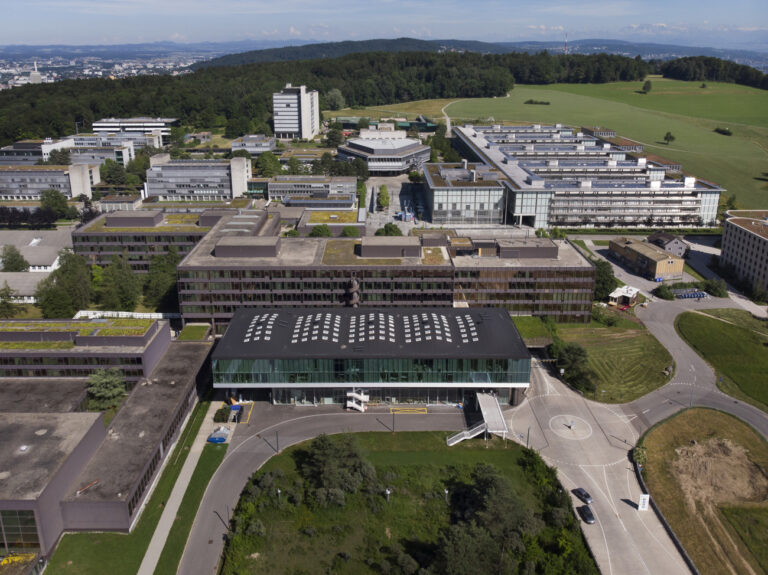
{"type": "Point", "coordinates": [314, 51]}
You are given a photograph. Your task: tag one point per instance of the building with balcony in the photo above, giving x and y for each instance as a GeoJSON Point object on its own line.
{"type": "Point", "coordinates": [745, 246]}
{"type": "Point", "coordinates": [139, 125]}
{"type": "Point", "coordinates": [196, 180]}
{"type": "Point", "coordinates": [385, 355]}
{"type": "Point", "coordinates": [296, 113]}
{"type": "Point", "coordinates": [27, 182]}
{"type": "Point", "coordinates": [554, 176]}
{"type": "Point", "coordinates": [242, 263]}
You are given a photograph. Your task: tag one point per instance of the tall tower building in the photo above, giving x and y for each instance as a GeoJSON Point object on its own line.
{"type": "Point", "coordinates": [296, 113]}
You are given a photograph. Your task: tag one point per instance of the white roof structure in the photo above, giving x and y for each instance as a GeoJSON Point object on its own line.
{"type": "Point", "coordinates": [624, 291]}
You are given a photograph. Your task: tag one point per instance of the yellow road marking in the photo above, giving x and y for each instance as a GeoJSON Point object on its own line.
{"type": "Point", "coordinates": [249, 413]}
{"type": "Point", "coordinates": [419, 410]}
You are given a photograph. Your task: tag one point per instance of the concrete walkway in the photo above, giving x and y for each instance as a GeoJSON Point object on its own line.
{"type": "Point", "coordinates": [152, 555]}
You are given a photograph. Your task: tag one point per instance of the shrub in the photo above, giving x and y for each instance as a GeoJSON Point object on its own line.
{"type": "Point", "coordinates": [724, 131]}
{"type": "Point", "coordinates": [222, 414]}
{"type": "Point", "coordinates": [537, 102]}
{"type": "Point", "coordinates": [664, 292]}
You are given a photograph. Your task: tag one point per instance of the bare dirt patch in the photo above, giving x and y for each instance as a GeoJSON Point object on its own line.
{"type": "Point", "coordinates": [713, 473]}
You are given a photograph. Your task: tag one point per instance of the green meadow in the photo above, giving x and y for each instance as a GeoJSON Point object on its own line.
{"type": "Point", "coordinates": [738, 162]}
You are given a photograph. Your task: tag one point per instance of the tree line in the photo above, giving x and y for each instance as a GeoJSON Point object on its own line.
{"type": "Point", "coordinates": [700, 68]}
{"type": "Point", "coordinates": [243, 95]}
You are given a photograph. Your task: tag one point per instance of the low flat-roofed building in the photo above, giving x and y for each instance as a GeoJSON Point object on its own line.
{"type": "Point", "coordinates": [118, 202]}
{"type": "Point", "coordinates": [319, 192]}
{"type": "Point", "coordinates": [387, 355]}
{"type": "Point", "coordinates": [139, 140]}
{"type": "Point", "coordinates": [43, 395]}
{"type": "Point", "coordinates": [623, 295]}
{"type": "Point", "coordinates": [76, 348]}
{"type": "Point", "coordinates": [138, 236]}
{"type": "Point", "coordinates": [39, 458]}
{"type": "Point", "coordinates": [97, 155]}
{"type": "Point", "coordinates": [745, 246]}
{"type": "Point", "coordinates": [254, 144]}
{"type": "Point", "coordinates": [464, 194]}
{"type": "Point", "coordinates": [305, 155]}
{"type": "Point", "coordinates": [27, 182]}
{"type": "Point", "coordinates": [196, 180]}
{"type": "Point", "coordinates": [108, 492]}
{"type": "Point", "coordinates": [30, 152]}
{"type": "Point", "coordinates": [647, 259]}
{"type": "Point", "coordinates": [551, 279]}
{"type": "Point", "coordinates": [386, 155]}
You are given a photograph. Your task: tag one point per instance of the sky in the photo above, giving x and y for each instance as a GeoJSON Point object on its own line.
{"type": "Point", "coordinates": [732, 23]}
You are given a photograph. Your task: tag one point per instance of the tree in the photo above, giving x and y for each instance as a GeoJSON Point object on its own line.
{"type": "Point", "coordinates": [647, 86]}
{"type": "Point", "coordinates": [294, 166]}
{"type": "Point", "coordinates": [139, 165]}
{"type": "Point", "coordinates": [105, 388]}
{"type": "Point", "coordinates": [237, 127]}
{"type": "Point", "coordinates": [321, 231]}
{"type": "Point", "coordinates": [8, 307]}
{"type": "Point", "coordinates": [12, 260]}
{"type": "Point", "coordinates": [67, 289]}
{"type": "Point", "coordinates": [350, 232]}
{"type": "Point", "coordinates": [177, 137]}
{"type": "Point", "coordinates": [59, 158]}
{"type": "Point", "coordinates": [268, 165]}
{"type": "Point", "coordinates": [53, 299]}
{"type": "Point", "coordinates": [605, 280]}
{"type": "Point", "coordinates": [54, 200]}
{"type": "Point", "coordinates": [160, 282]}
{"type": "Point", "coordinates": [113, 173]}
{"type": "Point", "coordinates": [573, 359]}
{"type": "Point", "coordinates": [669, 138]}
{"type": "Point", "coordinates": [291, 234]}
{"type": "Point", "coordinates": [382, 198]}
{"type": "Point", "coordinates": [121, 287]}
{"type": "Point", "coordinates": [363, 123]}
{"type": "Point", "coordinates": [334, 138]}
{"type": "Point", "coordinates": [389, 229]}
{"type": "Point", "coordinates": [334, 99]}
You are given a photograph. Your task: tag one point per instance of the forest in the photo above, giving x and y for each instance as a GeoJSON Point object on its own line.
{"type": "Point", "coordinates": [216, 96]}
{"type": "Point", "coordinates": [699, 68]}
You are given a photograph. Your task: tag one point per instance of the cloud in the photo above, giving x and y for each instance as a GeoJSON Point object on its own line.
{"type": "Point", "coordinates": [293, 31]}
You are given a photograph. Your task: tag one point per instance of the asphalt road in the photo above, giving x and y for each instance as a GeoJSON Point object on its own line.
{"type": "Point", "coordinates": [273, 428]}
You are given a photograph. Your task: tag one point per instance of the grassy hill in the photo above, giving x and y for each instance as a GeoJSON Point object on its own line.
{"type": "Point", "coordinates": [738, 162]}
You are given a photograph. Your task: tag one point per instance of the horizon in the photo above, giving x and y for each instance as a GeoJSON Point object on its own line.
{"type": "Point", "coordinates": [84, 22]}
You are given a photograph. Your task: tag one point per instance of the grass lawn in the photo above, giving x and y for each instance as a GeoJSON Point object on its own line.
{"type": "Point", "coordinates": [342, 253]}
{"type": "Point", "coordinates": [29, 311]}
{"type": "Point", "coordinates": [683, 108]}
{"type": "Point", "coordinates": [696, 488]}
{"type": "Point", "coordinates": [194, 332]}
{"type": "Point", "coordinates": [432, 256]}
{"type": "Point", "coordinates": [583, 245]}
{"type": "Point", "coordinates": [628, 361]}
{"type": "Point", "coordinates": [341, 217]}
{"type": "Point", "coordinates": [601, 242]}
{"type": "Point", "coordinates": [118, 553]}
{"type": "Point", "coordinates": [530, 327]}
{"type": "Point", "coordinates": [738, 355]}
{"type": "Point", "coordinates": [417, 467]}
{"type": "Point", "coordinates": [740, 317]}
{"type": "Point", "coordinates": [209, 462]}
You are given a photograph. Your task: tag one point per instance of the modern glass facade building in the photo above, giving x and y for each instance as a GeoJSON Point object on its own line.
{"type": "Point", "coordinates": [394, 355]}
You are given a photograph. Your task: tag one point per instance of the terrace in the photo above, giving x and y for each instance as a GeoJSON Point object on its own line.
{"type": "Point", "coordinates": [171, 223]}
{"type": "Point", "coordinates": [57, 335]}
{"type": "Point", "coordinates": [346, 253]}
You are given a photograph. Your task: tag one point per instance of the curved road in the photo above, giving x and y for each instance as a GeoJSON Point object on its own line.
{"type": "Point", "coordinates": [587, 441]}
{"type": "Point", "coordinates": [278, 427]}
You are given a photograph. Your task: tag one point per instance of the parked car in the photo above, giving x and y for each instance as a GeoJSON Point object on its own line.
{"type": "Point", "coordinates": [587, 515]}
{"type": "Point", "coordinates": [582, 494]}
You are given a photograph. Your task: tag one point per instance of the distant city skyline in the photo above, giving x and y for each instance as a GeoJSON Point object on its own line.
{"type": "Point", "coordinates": [736, 24]}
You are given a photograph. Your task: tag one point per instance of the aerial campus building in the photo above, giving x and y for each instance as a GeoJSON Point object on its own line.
{"type": "Point", "coordinates": [745, 246]}
{"type": "Point", "coordinates": [62, 469]}
{"type": "Point", "coordinates": [386, 355]}
{"type": "Point", "coordinates": [254, 144]}
{"type": "Point", "coordinates": [555, 176]}
{"type": "Point", "coordinates": [386, 152]}
{"type": "Point", "coordinates": [196, 180]}
{"type": "Point", "coordinates": [242, 263]}
{"type": "Point", "coordinates": [31, 152]}
{"type": "Point", "coordinates": [27, 182]}
{"type": "Point", "coordinates": [139, 235]}
{"type": "Point", "coordinates": [296, 113]}
{"type": "Point", "coordinates": [139, 140]}
{"type": "Point", "coordinates": [140, 125]}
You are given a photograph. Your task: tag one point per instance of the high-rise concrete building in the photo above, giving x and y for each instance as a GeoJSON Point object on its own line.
{"type": "Point", "coordinates": [296, 113]}
{"type": "Point", "coordinates": [745, 246]}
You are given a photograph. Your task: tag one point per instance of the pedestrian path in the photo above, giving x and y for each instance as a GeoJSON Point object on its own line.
{"type": "Point", "coordinates": [156, 544]}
